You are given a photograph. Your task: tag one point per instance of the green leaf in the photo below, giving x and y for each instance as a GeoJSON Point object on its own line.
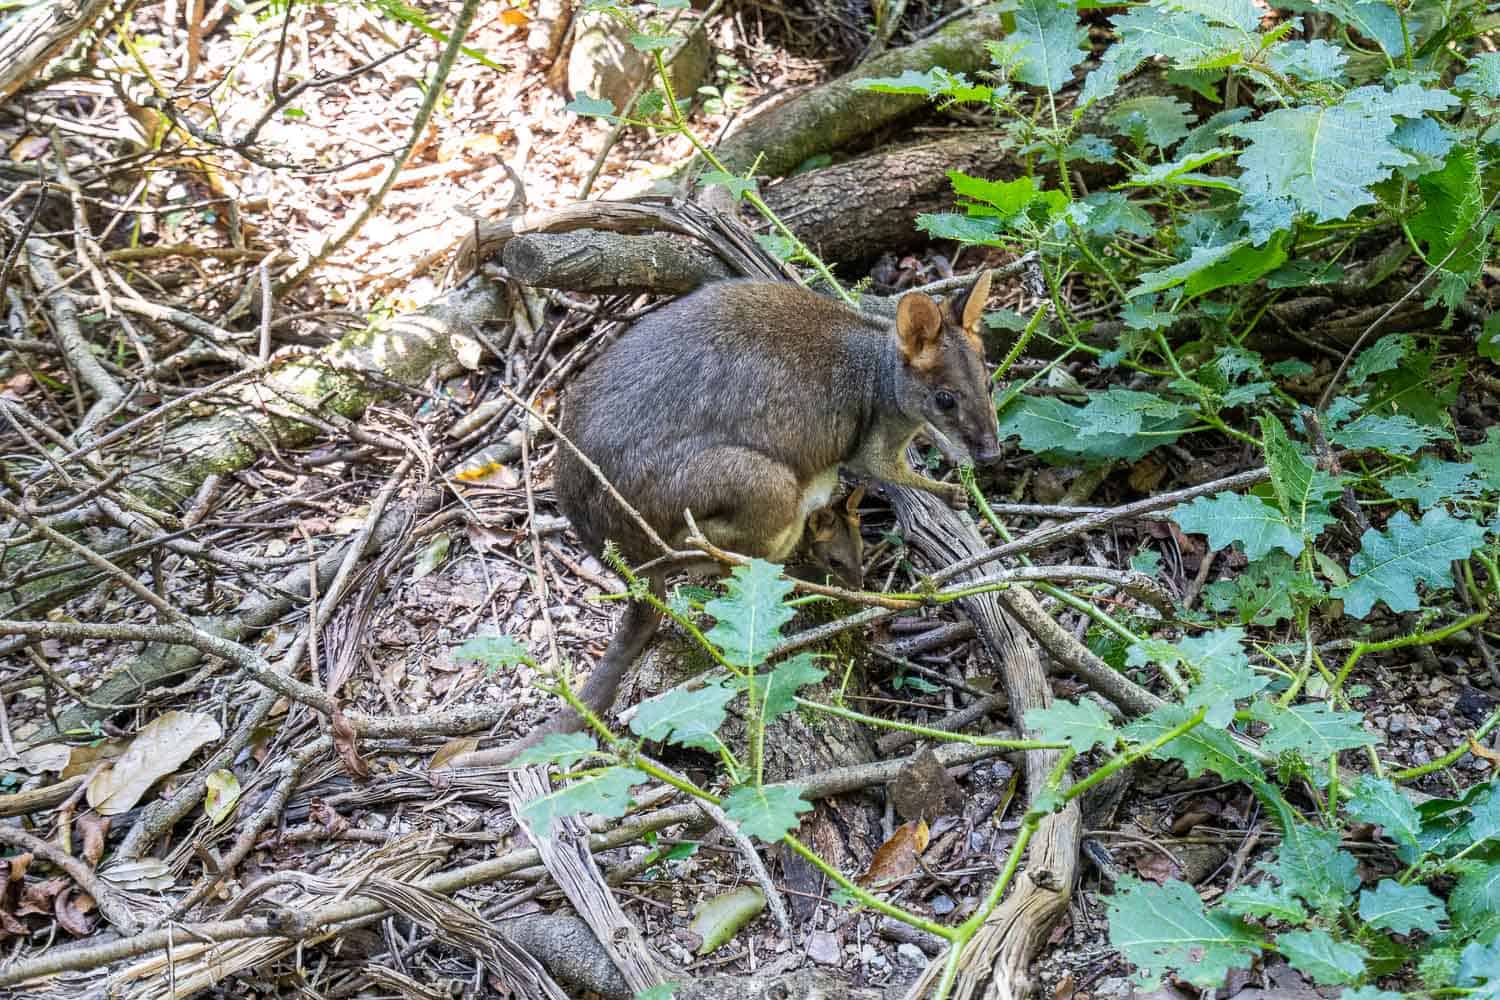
{"type": "Point", "coordinates": [926, 84]}
{"type": "Point", "coordinates": [1264, 899]}
{"type": "Point", "coordinates": [1310, 863]}
{"type": "Point", "coordinates": [749, 617]}
{"type": "Point", "coordinates": [1390, 564]}
{"type": "Point", "coordinates": [1241, 14]}
{"type": "Point", "coordinates": [687, 718]}
{"type": "Point", "coordinates": [1200, 749]}
{"type": "Point", "coordinates": [1222, 673]}
{"type": "Point", "coordinates": [1315, 953]}
{"type": "Point", "coordinates": [1301, 274]}
{"type": "Point", "coordinates": [1050, 38]}
{"type": "Point", "coordinates": [1302, 490]}
{"type": "Point", "coordinates": [716, 920]}
{"type": "Point", "coordinates": [666, 991]}
{"type": "Point", "coordinates": [1007, 198]}
{"type": "Point", "coordinates": [592, 107]}
{"type": "Point", "coordinates": [1051, 427]}
{"type": "Point", "coordinates": [1486, 456]}
{"type": "Point", "coordinates": [1489, 338]}
{"type": "Point", "coordinates": [1484, 823]}
{"type": "Point", "coordinates": [1082, 725]}
{"type": "Point", "coordinates": [1124, 411]}
{"type": "Point", "coordinates": [737, 186]}
{"type": "Point", "coordinates": [1480, 963]}
{"type": "Point", "coordinates": [1381, 356]}
{"type": "Point", "coordinates": [653, 43]}
{"type": "Point", "coordinates": [1324, 160]}
{"type": "Point", "coordinates": [1227, 518]}
{"type": "Point", "coordinates": [1313, 731]}
{"type": "Point", "coordinates": [494, 651]}
{"type": "Point", "coordinates": [1184, 171]}
{"type": "Point", "coordinates": [1474, 903]}
{"type": "Point", "coordinates": [1482, 77]}
{"type": "Point", "coordinates": [1397, 435]}
{"type": "Point", "coordinates": [1263, 592]}
{"type": "Point", "coordinates": [1200, 259]}
{"type": "Point", "coordinates": [562, 749]}
{"type": "Point", "coordinates": [766, 813]}
{"type": "Point", "coordinates": [950, 226]}
{"type": "Point", "coordinates": [1110, 212]}
{"type": "Point", "coordinates": [1401, 908]}
{"type": "Point", "coordinates": [1151, 120]}
{"type": "Point", "coordinates": [1313, 62]}
{"type": "Point", "coordinates": [1452, 202]}
{"type": "Point", "coordinates": [777, 691]}
{"type": "Point", "coordinates": [1432, 481]}
{"type": "Point", "coordinates": [1374, 19]}
{"type": "Point", "coordinates": [1166, 928]}
{"type": "Point", "coordinates": [1379, 802]}
{"type": "Point", "coordinates": [606, 794]}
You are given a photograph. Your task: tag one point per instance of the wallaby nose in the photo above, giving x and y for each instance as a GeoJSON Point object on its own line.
{"type": "Point", "coordinates": [988, 454]}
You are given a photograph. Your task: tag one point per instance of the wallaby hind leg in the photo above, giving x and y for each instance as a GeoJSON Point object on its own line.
{"type": "Point", "coordinates": [745, 502]}
{"type": "Point", "coordinates": [634, 631]}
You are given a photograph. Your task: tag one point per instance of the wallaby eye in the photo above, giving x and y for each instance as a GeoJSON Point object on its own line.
{"type": "Point", "coordinates": [944, 400]}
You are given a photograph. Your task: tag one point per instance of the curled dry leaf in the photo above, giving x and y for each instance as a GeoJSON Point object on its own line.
{"type": "Point", "coordinates": [159, 749]}
{"type": "Point", "coordinates": [37, 897]}
{"type": "Point", "coordinates": [94, 829]}
{"type": "Point", "coordinates": [146, 874]}
{"type": "Point", "coordinates": [327, 817]}
{"type": "Point", "coordinates": [344, 742]}
{"type": "Point", "coordinates": [51, 757]}
{"type": "Point", "coordinates": [451, 749]}
{"type": "Point", "coordinates": [71, 911]}
{"type": "Point", "coordinates": [897, 857]}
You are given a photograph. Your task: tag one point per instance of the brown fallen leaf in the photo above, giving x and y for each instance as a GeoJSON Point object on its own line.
{"type": "Point", "coordinates": [94, 829]}
{"type": "Point", "coordinates": [451, 749]}
{"type": "Point", "coordinates": [162, 746]}
{"type": "Point", "coordinates": [344, 738]}
{"type": "Point", "coordinates": [69, 908]}
{"type": "Point", "coordinates": [37, 897]}
{"type": "Point", "coordinates": [897, 857]}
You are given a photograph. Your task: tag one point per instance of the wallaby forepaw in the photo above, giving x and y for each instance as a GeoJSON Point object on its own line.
{"type": "Point", "coordinates": [957, 496]}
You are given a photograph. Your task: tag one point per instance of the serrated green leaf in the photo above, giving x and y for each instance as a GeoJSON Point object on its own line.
{"type": "Point", "coordinates": [1396, 435]}
{"type": "Point", "coordinates": [592, 107]}
{"type": "Point", "coordinates": [1229, 518]}
{"type": "Point", "coordinates": [1474, 903]}
{"type": "Point", "coordinates": [1110, 212]}
{"type": "Point", "coordinates": [1301, 274]}
{"type": "Point", "coordinates": [1051, 427]}
{"type": "Point", "coordinates": [1313, 731]}
{"type": "Point", "coordinates": [950, 226]}
{"type": "Point", "coordinates": [1264, 899]}
{"type": "Point", "coordinates": [1183, 171]}
{"type": "Point", "coordinates": [1375, 19]}
{"type": "Point", "coordinates": [767, 813]}
{"type": "Point", "coordinates": [1379, 802]}
{"type": "Point", "coordinates": [687, 718]}
{"type": "Point", "coordinates": [1324, 160]}
{"type": "Point", "coordinates": [1050, 40]}
{"type": "Point", "coordinates": [910, 81]}
{"type": "Point", "coordinates": [1452, 203]}
{"type": "Point", "coordinates": [1198, 260]}
{"type": "Point", "coordinates": [1392, 906]}
{"type": "Point", "coordinates": [653, 43]}
{"type": "Point", "coordinates": [1482, 78]}
{"type": "Point", "coordinates": [1241, 14]}
{"type": "Point", "coordinates": [1124, 411]}
{"type": "Point", "coordinates": [1480, 963]}
{"type": "Point", "coordinates": [1316, 954]}
{"type": "Point", "coordinates": [1486, 456]}
{"type": "Point", "coordinates": [1222, 672]}
{"type": "Point", "coordinates": [1390, 564]}
{"type": "Point", "coordinates": [1151, 120]}
{"type": "Point", "coordinates": [777, 690]}
{"type": "Point", "coordinates": [1311, 864]}
{"type": "Point", "coordinates": [1263, 592]}
{"type": "Point", "coordinates": [562, 749]}
{"type": "Point", "coordinates": [1484, 821]}
{"type": "Point", "coordinates": [1007, 198]}
{"type": "Point", "coordinates": [1381, 356]}
{"type": "Point", "coordinates": [737, 186]}
{"type": "Point", "coordinates": [1200, 749]}
{"type": "Point", "coordinates": [1316, 61]}
{"type": "Point", "coordinates": [494, 651]}
{"type": "Point", "coordinates": [1432, 481]}
{"type": "Point", "coordinates": [606, 794]}
{"type": "Point", "coordinates": [1166, 928]}
{"type": "Point", "coordinates": [1082, 725]}
{"type": "Point", "coordinates": [749, 617]}
{"type": "Point", "coordinates": [1301, 489]}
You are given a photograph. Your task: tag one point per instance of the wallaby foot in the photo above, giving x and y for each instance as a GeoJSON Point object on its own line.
{"type": "Point", "coordinates": [632, 634]}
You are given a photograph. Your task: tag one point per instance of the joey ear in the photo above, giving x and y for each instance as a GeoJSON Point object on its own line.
{"type": "Point", "coordinates": [821, 523]}
{"type": "Point", "coordinates": [919, 327]}
{"type": "Point", "coordinates": [851, 505]}
{"type": "Point", "coordinates": [974, 309]}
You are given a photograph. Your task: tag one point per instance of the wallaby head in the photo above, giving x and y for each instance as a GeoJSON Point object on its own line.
{"type": "Point", "coordinates": [945, 383]}
{"type": "Point", "coordinates": [834, 543]}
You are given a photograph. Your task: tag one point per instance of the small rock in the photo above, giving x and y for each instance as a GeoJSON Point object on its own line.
{"type": "Point", "coordinates": [1397, 725]}
{"type": "Point", "coordinates": [823, 948]}
{"type": "Point", "coordinates": [911, 954]}
{"type": "Point", "coordinates": [941, 905]}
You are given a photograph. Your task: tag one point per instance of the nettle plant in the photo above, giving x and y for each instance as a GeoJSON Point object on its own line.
{"type": "Point", "coordinates": [1321, 152]}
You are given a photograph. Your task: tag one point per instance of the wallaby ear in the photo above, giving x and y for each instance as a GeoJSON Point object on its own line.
{"type": "Point", "coordinates": [821, 523]}
{"type": "Point", "coordinates": [851, 504]}
{"type": "Point", "coordinates": [919, 327]}
{"type": "Point", "coordinates": [974, 309]}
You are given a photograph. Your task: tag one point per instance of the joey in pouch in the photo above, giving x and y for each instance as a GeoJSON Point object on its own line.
{"type": "Point", "coordinates": [740, 402]}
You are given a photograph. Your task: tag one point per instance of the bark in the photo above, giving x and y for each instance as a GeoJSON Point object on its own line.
{"type": "Point", "coordinates": [596, 262]}
{"type": "Point", "coordinates": [39, 32]}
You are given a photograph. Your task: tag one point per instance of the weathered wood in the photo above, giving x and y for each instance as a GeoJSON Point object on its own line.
{"type": "Point", "coordinates": [603, 263]}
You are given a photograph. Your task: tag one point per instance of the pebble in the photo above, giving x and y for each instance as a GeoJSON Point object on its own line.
{"type": "Point", "coordinates": [1397, 725]}
{"type": "Point", "coordinates": [823, 948]}
{"type": "Point", "coordinates": [911, 954]}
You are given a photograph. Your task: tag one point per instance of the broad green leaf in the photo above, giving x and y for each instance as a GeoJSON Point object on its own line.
{"type": "Point", "coordinates": [1482, 78]}
{"type": "Point", "coordinates": [1124, 411]}
{"type": "Point", "coordinates": [1316, 954]}
{"type": "Point", "coordinates": [1392, 906]}
{"type": "Point", "coordinates": [1310, 863]}
{"type": "Point", "coordinates": [1486, 456]}
{"type": "Point", "coordinates": [766, 813]}
{"type": "Point", "coordinates": [749, 617]}
{"type": "Point", "coordinates": [1480, 963]}
{"type": "Point", "coordinates": [1313, 731]}
{"type": "Point", "coordinates": [666, 991]}
{"type": "Point", "coordinates": [1390, 564]}
{"type": "Point", "coordinates": [653, 43]}
{"type": "Point", "coordinates": [1166, 928]}
{"type": "Point", "coordinates": [1184, 171]}
{"type": "Point", "coordinates": [1375, 19]}
{"type": "Point", "coordinates": [737, 186]}
{"type": "Point", "coordinates": [1200, 259]}
{"type": "Point", "coordinates": [1432, 481]}
{"type": "Point", "coordinates": [1241, 14]}
{"type": "Point", "coordinates": [1484, 822]}
{"type": "Point", "coordinates": [562, 749]}
{"type": "Point", "coordinates": [592, 107]}
{"type": "Point", "coordinates": [1314, 62]}
{"type": "Point", "coordinates": [927, 84]}
{"type": "Point", "coordinates": [1301, 489]}
{"type": "Point", "coordinates": [777, 690]}
{"type": "Point", "coordinates": [1227, 518]}
{"type": "Point", "coordinates": [1082, 725]}
{"type": "Point", "coordinates": [1200, 749]}
{"type": "Point", "coordinates": [1050, 427]}
{"type": "Point", "coordinates": [1110, 212]}
{"type": "Point", "coordinates": [1263, 592]}
{"type": "Point", "coordinates": [1151, 120]}
{"type": "Point", "coordinates": [1050, 39]}
{"type": "Point", "coordinates": [1222, 673]}
{"type": "Point", "coordinates": [1264, 899]}
{"type": "Point", "coordinates": [1381, 356]}
{"type": "Point", "coordinates": [1243, 266]}
{"type": "Point", "coordinates": [1474, 902]}
{"type": "Point", "coordinates": [606, 794]}
{"type": "Point", "coordinates": [1398, 434]}
{"type": "Point", "coordinates": [951, 226]}
{"type": "Point", "coordinates": [494, 651]}
{"type": "Point", "coordinates": [1324, 160]}
{"type": "Point", "coordinates": [687, 718]}
{"type": "Point", "coordinates": [1452, 202]}
{"type": "Point", "coordinates": [1301, 274]}
{"type": "Point", "coordinates": [716, 920]}
{"type": "Point", "coordinates": [1379, 802]}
